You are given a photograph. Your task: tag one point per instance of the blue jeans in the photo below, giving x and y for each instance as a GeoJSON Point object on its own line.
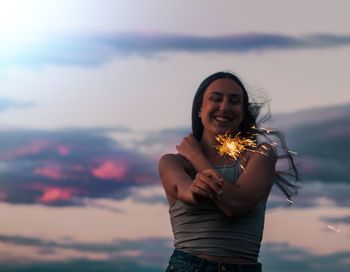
{"type": "Point", "coordinates": [184, 262]}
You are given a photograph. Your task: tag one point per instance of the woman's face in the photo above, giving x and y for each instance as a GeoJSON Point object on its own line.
{"type": "Point", "coordinates": [222, 107]}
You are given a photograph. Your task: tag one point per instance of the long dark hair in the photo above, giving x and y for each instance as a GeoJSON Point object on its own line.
{"type": "Point", "coordinates": [285, 179]}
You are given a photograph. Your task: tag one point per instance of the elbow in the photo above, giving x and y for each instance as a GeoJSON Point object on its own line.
{"type": "Point", "coordinates": [231, 212]}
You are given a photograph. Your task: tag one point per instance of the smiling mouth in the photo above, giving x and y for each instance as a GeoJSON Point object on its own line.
{"type": "Point", "coordinates": [222, 119]}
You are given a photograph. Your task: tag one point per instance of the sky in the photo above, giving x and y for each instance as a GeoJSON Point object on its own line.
{"type": "Point", "coordinates": [92, 93]}
{"type": "Point", "coordinates": [112, 56]}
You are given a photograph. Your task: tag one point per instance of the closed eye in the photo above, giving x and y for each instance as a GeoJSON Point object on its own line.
{"type": "Point", "coordinates": [235, 99]}
{"type": "Point", "coordinates": [216, 97]}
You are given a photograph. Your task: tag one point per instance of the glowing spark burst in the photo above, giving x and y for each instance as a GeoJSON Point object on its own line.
{"type": "Point", "coordinates": [234, 146]}
{"type": "Point", "coordinates": [333, 228]}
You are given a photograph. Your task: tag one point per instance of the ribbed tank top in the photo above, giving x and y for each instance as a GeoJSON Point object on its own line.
{"type": "Point", "coordinates": [204, 229]}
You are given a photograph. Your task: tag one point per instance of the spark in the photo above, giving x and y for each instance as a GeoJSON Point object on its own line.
{"type": "Point", "coordinates": [292, 152]}
{"type": "Point", "coordinates": [234, 146]}
{"type": "Point", "coordinates": [289, 201]}
{"type": "Point", "coordinates": [333, 228]}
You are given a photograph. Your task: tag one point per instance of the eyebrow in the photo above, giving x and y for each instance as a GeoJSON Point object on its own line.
{"type": "Point", "coordinates": [219, 93]}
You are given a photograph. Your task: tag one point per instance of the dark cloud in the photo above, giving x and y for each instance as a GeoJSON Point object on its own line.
{"type": "Point", "coordinates": [70, 166]}
{"type": "Point", "coordinates": [282, 257]}
{"type": "Point", "coordinates": [320, 137]}
{"type": "Point", "coordinates": [311, 194]}
{"type": "Point", "coordinates": [337, 220]}
{"type": "Point", "coordinates": [154, 254]}
{"type": "Point", "coordinates": [322, 148]}
{"type": "Point", "coordinates": [65, 167]}
{"type": "Point", "coordinates": [99, 48]}
{"type": "Point", "coordinates": [81, 265]}
{"type": "Point", "coordinates": [145, 245]}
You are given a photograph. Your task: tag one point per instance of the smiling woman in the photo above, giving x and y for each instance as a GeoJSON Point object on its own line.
{"type": "Point", "coordinates": [216, 204]}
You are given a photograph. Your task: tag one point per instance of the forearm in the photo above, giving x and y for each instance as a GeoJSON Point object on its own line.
{"type": "Point", "coordinates": [200, 162]}
{"type": "Point", "coordinates": [184, 194]}
{"type": "Point", "coordinates": [231, 202]}
{"type": "Point", "coordinates": [175, 180]}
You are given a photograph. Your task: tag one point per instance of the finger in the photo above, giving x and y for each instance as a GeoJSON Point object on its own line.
{"type": "Point", "coordinates": [212, 173]}
{"type": "Point", "coordinates": [191, 136]}
{"type": "Point", "coordinates": [200, 191]}
{"type": "Point", "coordinates": [218, 178]}
{"type": "Point", "coordinates": [202, 185]}
{"type": "Point", "coordinates": [209, 182]}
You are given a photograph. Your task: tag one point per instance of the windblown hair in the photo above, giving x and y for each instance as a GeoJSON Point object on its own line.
{"type": "Point", "coordinates": [285, 179]}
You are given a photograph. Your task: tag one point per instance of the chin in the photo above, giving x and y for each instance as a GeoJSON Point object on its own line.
{"type": "Point", "coordinates": [226, 131]}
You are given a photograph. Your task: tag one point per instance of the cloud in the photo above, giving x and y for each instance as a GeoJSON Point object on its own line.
{"type": "Point", "coordinates": [152, 254]}
{"type": "Point", "coordinates": [8, 104]}
{"type": "Point", "coordinates": [282, 257]}
{"type": "Point", "coordinates": [149, 254]}
{"type": "Point", "coordinates": [320, 137]}
{"type": "Point", "coordinates": [337, 220]}
{"type": "Point", "coordinates": [312, 194]}
{"type": "Point", "coordinates": [109, 169]}
{"type": "Point", "coordinates": [97, 49]}
{"type": "Point", "coordinates": [146, 245]}
{"type": "Point", "coordinates": [63, 167]}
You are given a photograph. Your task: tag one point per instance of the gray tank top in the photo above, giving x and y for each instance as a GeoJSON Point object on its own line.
{"type": "Point", "coordinates": [204, 229]}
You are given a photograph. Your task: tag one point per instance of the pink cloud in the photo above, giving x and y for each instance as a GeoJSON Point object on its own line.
{"type": "Point", "coordinates": [53, 171]}
{"type": "Point", "coordinates": [35, 147]}
{"type": "Point", "coordinates": [3, 196]}
{"type": "Point", "coordinates": [110, 170]}
{"type": "Point", "coordinates": [51, 194]}
{"type": "Point", "coordinates": [63, 150]}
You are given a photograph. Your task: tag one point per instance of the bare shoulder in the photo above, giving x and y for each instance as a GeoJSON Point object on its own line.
{"type": "Point", "coordinates": [174, 160]}
{"type": "Point", "coordinates": [265, 152]}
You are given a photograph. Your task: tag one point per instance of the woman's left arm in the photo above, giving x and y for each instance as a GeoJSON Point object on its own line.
{"type": "Point", "coordinates": [253, 185]}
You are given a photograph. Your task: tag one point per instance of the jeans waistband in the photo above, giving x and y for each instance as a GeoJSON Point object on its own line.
{"type": "Point", "coordinates": [200, 264]}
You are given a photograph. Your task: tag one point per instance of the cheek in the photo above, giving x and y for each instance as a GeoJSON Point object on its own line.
{"type": "Point", "coordinates": [242, 115]}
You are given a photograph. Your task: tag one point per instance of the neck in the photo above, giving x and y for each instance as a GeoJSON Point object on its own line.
{"type": "Point", "coordinates": [208, 145]}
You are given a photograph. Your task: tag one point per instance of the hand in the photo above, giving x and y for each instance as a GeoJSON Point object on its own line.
{"type": "Point", "coordinates": [189, 147]}
{"type": "Point", "coordinates": [208, 183]}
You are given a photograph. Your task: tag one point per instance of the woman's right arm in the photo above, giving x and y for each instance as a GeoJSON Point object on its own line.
{"type": "Point", "coordinates": [175, 180]}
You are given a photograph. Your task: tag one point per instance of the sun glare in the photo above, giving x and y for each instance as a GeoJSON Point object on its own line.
{"type": "Point", "coordinates": [21, 22]}
{"type": "Point", "coordinates": [16, 17]}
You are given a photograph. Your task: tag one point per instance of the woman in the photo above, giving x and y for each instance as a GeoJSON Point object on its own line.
{"type": "Point", "coordinates": [217, 209]}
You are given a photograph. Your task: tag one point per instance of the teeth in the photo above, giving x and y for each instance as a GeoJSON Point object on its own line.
{"type": "Point", "coordinates": [223, 119]}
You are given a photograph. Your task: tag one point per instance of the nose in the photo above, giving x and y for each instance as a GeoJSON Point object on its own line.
{"type": "Point", "coordinates": [225, 105]}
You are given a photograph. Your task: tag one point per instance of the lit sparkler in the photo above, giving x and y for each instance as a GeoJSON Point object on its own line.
{"type": "Point", "coordinates": [234, 146]}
